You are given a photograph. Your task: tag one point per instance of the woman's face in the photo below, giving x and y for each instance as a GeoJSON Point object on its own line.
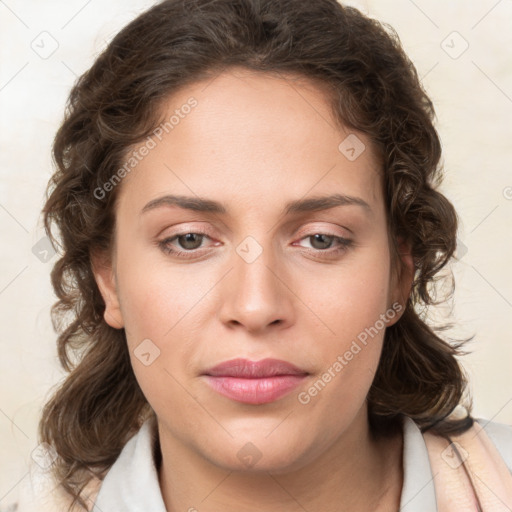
{"type": "Point", "coordinates": [251, 280]}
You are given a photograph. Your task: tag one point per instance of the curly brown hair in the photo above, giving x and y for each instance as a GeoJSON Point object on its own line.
{"type": "Point", "coordinates": [372, 87]}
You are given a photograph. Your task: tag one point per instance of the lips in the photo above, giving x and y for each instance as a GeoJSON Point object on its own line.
{"type": "Point", "coordinates": [254, 382]}
{"type": "Point", "coordinates": [243, 368]}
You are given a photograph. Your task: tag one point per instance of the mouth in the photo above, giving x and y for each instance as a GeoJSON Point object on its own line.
{"type": "Point", "coordinates": [255, 382]}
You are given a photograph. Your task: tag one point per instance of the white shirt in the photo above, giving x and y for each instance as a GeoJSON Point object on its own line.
{"type": "Point", "coordinates": [132, 484]}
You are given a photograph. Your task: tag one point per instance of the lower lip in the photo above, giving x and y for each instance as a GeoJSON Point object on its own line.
{"type": "Point", "coordinates": [255, 391]}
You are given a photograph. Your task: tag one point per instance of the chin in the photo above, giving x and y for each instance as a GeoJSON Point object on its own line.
{"type": "Point", "coordinates": [260, 455]}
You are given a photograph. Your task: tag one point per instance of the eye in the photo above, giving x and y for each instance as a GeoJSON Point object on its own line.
{"type": "Point", "coordinates": [189, 242]}
{"type": "Point", "coordinates": [323, 242]}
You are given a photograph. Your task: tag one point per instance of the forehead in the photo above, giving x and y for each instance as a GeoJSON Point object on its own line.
{"type": "Point", "coordinates": [255, 133]}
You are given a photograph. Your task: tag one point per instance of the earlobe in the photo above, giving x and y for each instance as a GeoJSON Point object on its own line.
{"type": "Point", "coordinates": [105, 279]}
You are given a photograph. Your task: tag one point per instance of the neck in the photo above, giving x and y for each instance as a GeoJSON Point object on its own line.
{"type": "Point", "coordinates": [358, 472]}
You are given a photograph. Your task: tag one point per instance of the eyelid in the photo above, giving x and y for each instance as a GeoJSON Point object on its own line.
{"type": "Point", "coordinates": [303, 232]}
{"type": "Point", "coordinates": [311, 230]}
{"type": "Point", "coordinates": [184, 230]}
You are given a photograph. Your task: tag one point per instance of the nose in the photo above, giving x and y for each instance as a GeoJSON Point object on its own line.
{"type": "Point", "coordinates": [257, 294]}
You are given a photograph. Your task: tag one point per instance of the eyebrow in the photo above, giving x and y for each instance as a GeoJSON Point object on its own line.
{"type": "Point", "coordinates": [310, 204]}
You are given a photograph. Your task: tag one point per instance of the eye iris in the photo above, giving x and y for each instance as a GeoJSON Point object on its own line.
{"type": "Point", "coordinates": [190, 238]}
{"type": "Point", "coordinates": [320, 237]}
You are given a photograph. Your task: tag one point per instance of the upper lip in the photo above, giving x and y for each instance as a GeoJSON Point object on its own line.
{"type": "Point", "coordinates": [245, 368]}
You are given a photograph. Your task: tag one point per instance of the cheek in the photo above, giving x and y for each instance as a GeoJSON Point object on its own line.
{"type": "Point", "coordinates": [351, 296]}
{"type": "Point", "coordinates": [351, 304]}
{"type": "Point", "coordinates": [155, 296]}
{"type": "Point", "coordinates": [350, 351]}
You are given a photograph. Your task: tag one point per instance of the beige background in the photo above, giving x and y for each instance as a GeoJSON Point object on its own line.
{"type": "Point", "coordinates": [472, 92]}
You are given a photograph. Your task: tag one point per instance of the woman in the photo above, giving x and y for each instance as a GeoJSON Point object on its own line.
{"type": "Point", "coordinates": [249, 221]}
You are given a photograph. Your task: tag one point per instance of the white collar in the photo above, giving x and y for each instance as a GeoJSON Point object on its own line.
{"type": "Point", "coordinates": [131, 485]}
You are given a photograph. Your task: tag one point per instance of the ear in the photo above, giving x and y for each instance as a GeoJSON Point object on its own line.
{"type": "Point", "coordinates": [403, 278]}
{"type": "Point", "coordinates": [105, 279]}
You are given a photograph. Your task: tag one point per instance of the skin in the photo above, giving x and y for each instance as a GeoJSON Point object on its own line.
{"type": "Point", "coordinates": [254, 142]}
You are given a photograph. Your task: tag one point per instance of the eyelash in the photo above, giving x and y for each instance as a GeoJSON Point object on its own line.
{"type": "Point", "coordinates": [343, 244]}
